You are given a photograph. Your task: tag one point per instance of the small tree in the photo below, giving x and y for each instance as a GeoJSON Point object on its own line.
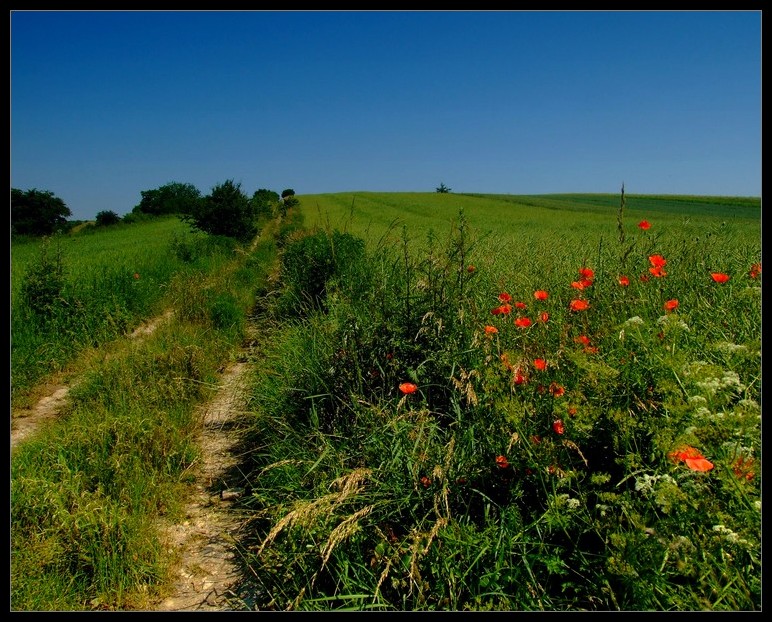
{"type": "Point", "coordinates": [443, 189]}
{"type": "Point", "coordinates": [37, 212]}
{"type": "Point", "coordinates": [263, 202]}
{"type": "Point", "coordinates": [289, 192]}
{"type": "Point", "coordinates": [107, 218]}
{"type": "Point", "coordinates": [172, 198]}
{"type": "Point", "coordinates": [226, 211]}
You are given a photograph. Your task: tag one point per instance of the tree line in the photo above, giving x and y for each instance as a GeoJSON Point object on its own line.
{"type": "Point", "coordinates": [227, 210]}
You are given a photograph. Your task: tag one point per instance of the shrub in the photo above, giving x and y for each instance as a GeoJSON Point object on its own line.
{"type": "Point", "coordinates": [44, 281]}
{"type": "Point", "coordinates": [106, 218]}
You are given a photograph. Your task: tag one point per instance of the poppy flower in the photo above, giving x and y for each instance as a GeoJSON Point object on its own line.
{"type": "Point", "coordinates": [671, 305]}
{"type": "Point", "coordinates": [624, 281]}
{"type": "Point", "coordinates": [522, 322]}
{"type": "Point", "coordinates": [470, 269]}
{"type": "Point", "coordinates": [491, 330]}
{"type": "Point", "coordinates": [719, 277]}
{"type": "Point", "coordinates": [407, 388]}
{"type": "Point", "coordinates": [518, 377]}
{"type": "Point", "coordinates": [540, 364]}
{"type": "Point", "coordinates": [579, 305]}
{"type": "Point", "coordinates": [504, 309]}
{"type": "Point", "coordinates": [583, 339]}
{"type": "Point", "coordinates": [755, 270]}
{"type": "Point", "coordinates": [540, 294]}
{"type": "Point", "coordinates": [501, 462]}
{"type": "Point", "coordinates": [572, 411]}
{"type": "Point", "coordinates": [692, 458]}
{"type": "Point", "coordinates": [556, 389]}
{"type": "Point", "coordinates": [587, 273]}
{"type": "Point", "coordinates": [536, 439]}
{"type": "Point", "coordinates": [645, 225]}
{"type": "Point", "coordinates": [136, 275]}
{"type": "Point", "coordinates": [544, 316]}
{"type": "Point", "coordinates": [426, 481]}
{"type": "Point", "coordinates": [578, 285]}
{"type": "Point", "coordinates": [505, 297]}
{"type": "Point", "coordinates": [520, 305]}
{"type": "Point", "coordinates": [558, 427]}
{"type": "Point", "coordinates": [657, 260]}
{"type": "Point", "coordinates": [657, 271]}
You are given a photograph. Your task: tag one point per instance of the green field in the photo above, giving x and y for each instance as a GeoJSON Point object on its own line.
{"type": "Point", "coordinates": [461, 403]}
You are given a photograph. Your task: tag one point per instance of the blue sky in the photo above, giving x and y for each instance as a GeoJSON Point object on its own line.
{"type": "Point", "coordinates": [107, 104]}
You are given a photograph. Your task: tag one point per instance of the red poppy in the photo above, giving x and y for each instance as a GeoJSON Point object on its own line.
{"type": "Point", "coordinates": [579, 305]}
{"type": "Point", "coordinates": [544, 316]}
{"type": "Point", "coordinates": [470, 269]}
{"type": "Point", "coordinates": [501, 462]}
{"type": "Point", "coordinates": [520, 305]}
{"type": "Point", "coordinates": [504, 309]}
{"type": "Point", "coordinates": [491, 330]}
{"type": "Point", "coordinates": [426, 481]}
{"type": "Point", "coordinates": [558, 427]}
{"type": "Point", "coordinates": [522, 322]}
{"type": "Point", "coordinates": [518, 377]}
{"type": "Point", "coordinates": [505, 297]}
{"type": "Point", "coordinates": [624, 281]}
{"type": "Point", "coordinates": [407, 388]}
{"type": "Point", "coordinates": [136, 275]}
{"type": "Point", "coordinates": [670, 305]}
{"type": "Point", "coordinates": [657, 271]}
{"type": "Point", "coordinates": [578, 285]}
{"type": "Point", "coordinates": [540, 294]}
{"type": "Point", "coordinates": [540, 364]}
{"type": "Point", "coordinates": [587, 273]}
{"type": "Point", "coordinates": [719, 277]}
{"type": "Point", "coordinates": [583, 339]}
{"type": "Point", "coordinates": [644, 224]}
{"type": "Point", "coordinates": [657, 260]}
{"type": "Point", "coordinates": [536, 439]}
{"type": "Point", "coordinates": [755, 270]}
{"type": "Point", "coordinates": [591, 349]}
{"type": "Point", "coordinates": [692, 458]}
{"type": "Point", "coordinates": [556, 389]}
{"type": "Point", "coordinates": [572, 411]}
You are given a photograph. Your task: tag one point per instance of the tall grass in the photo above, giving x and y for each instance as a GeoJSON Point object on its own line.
{"type": "Point", "coordinates": [546, 458]}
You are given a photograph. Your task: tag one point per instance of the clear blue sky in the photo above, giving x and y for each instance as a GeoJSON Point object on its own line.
{"type": "Point", "coordinates": [107, 104]}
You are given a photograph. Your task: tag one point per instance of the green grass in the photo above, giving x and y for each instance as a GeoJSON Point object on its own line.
{"type": "Point", "coordinates": [496, 485]}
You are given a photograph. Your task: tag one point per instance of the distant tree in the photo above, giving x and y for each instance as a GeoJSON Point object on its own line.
{"type": "Point", "coordinates": [107, 218]}
{"type": "Point", "coordinates": [37, 212]}
{"type": "Point", "coordinates": [289, 192]}
{"type": "Point", "coordinates": [172, 198]}
{"type": "Point", "coordinates": [263, 201]}
{"type": "Point", "coordinates": [226, 211]}
{"type": "Point", "coordinates": [443, 189]}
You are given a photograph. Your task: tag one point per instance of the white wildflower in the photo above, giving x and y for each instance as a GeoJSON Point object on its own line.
{"type": "Point", "coordinates": [634, 321]}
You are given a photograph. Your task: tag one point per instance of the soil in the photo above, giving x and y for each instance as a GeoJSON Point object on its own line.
{"type": "Point", "coordinates": [203, 544]}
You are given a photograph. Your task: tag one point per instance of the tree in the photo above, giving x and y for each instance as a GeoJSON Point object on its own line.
{"type": "Point", "coordinates": [289, 192]}
{"type": "Point", "coordinates": [443, 189]}
{"type": "Point", "coordinates": [172, 198]}
{"type": "Point", "coordinates": [226, 211]}
{"type": "Point", "coordinates": [37, 212]}
{"type": "Point", "coordinates": [263, 201]}
{"type": "Point", "coordinates": [106, 218]}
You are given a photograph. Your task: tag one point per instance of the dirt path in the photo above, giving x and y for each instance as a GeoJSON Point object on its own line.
{"type": "Point", "coordinates": [203, 543]}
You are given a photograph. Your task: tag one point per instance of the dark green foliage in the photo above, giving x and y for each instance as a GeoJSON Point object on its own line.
{"type": "Point", "coordinates": [106, 218]}
{"type": "Point", "coordinates": [288, 192]}
{"type": "Point", "coordinates": [43, 283]}
{"type": "Point", "coordinates": [37, 212]}
{"type": "Point", "coordinates": [226, 211]}
{"type": "Point", "coordinates": [172, 198]}
{"type": "Point", "coordinates": [225, 313]}
{"type": "Point", "coordinates": [310, 262]}
{"type": "Point", "coordinates": [263, 202]}
{"type": "Point", "coordinates": [443, 189]}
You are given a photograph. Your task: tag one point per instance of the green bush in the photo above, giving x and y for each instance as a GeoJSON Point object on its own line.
{"type": "Point", "coordinates": [310, 263]}
{"type": "Point", "coordinates": [44, 282]}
